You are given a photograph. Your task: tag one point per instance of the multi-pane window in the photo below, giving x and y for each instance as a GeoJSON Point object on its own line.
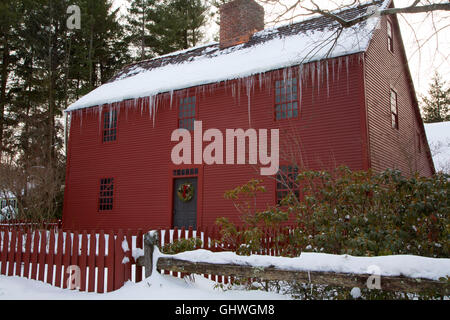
{"type": "Point", "coordinates": [286, 99]}
{"type": "Point", "coordinates": [110, 126]}
{"type": "Point", "coordinates": [185, 172]}
{"type": "Point", "coordinates": [186, 113]}
{"type": "Point", "coordinates": [390, 36]}
{"type": "Point", "coordinates": [106, 196]}
{"type": "Point", "coordinates": [419, 142]}
{"type": "Point", "coordinates": [286, 182]}
{"type": "Point", "coordinates": [11, 203]}
{"type": "Point", "coordinates": [394, 109]}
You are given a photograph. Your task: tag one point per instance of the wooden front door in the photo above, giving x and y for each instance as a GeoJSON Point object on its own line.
{"type": "Point", "coordinates": [185, 203]}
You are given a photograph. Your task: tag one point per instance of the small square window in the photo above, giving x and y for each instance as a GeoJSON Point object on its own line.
{"type": "Point", "coordinates": [106, 196]}
{"type": "Point", "coordinates": [286, 99]}
{"type": "Point", "coordinates": [390, 36]}
{"type": "Point", "coordinates": [286, 183]}
{"type": "Point", "coordinates": [394, 109]}
{"type": "Point", "coordinates": [110, 126]}
{"type": "Point", "coordinates": [419, 142]}
{"type": "Point", "coordinates": [186, 113]}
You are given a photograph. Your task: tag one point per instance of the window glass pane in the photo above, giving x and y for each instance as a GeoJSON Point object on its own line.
{"type": "Point", "coordinates": [187, 113]}
{"type": "Point", "coordinates": [286, 105]}
{"type": "Point", "coordinates": [106, 194]}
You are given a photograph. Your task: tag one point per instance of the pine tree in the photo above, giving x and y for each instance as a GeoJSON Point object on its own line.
{"type": "Point", "coordinates": [45, 67]}
{"type": "Point", "coordinates": [9, 21]}
{"type": "Point", "coordinates": [158, 27]}
{"type": "Point", "coordinates": [181, 24]}
{"type": "Point", "coordinates": [139, 15]}
{"type": "Point", "coordinates": [436, 106]}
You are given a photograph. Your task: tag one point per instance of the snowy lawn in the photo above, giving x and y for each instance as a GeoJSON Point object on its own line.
{"type": "Point", "coordinates": [438, 135]}
{"type": "Point", "coordinates": [157, 287]}
{"type": "Point", "coordinates": [165, 287]}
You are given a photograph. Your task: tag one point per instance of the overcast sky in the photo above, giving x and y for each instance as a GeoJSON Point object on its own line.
{"type": "Point", "coordinates": [426, 49]}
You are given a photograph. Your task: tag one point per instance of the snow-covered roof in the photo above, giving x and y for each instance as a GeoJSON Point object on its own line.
{"type": "Point", "coordinates": [438, 135]}
{"type": "Point", "coordinates": [275, 48]}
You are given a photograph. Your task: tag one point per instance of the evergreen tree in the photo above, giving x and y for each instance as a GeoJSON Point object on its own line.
{"type": "Point", "coordinates": [178, 24]}
{"type": "Point", "coordinates": [138, 18]}
{"type": "Point", "coordinates": [44, 67]}
{"type": "Point", "coordinates": [159, 27]}
{"type": "Point", "coordinates": [436, 105]}
{"type": "Point", "coordinates": [9, 21]}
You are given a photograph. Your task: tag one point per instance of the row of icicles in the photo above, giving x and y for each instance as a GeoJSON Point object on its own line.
{"type": "Point", "coordinates": [315, 73]}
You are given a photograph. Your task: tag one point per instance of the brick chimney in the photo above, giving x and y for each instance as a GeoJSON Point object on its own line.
{"type": "Point", "coordinates": [239, 20]}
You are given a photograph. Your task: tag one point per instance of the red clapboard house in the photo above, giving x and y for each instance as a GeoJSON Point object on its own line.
{"type": "Point", "coordinates": [338, 97]}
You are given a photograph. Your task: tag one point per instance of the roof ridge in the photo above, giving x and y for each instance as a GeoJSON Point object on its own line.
{"type": "Point", "coordinates": [270, 49]}
{"type": "Point", "coordinates": [259, 33]}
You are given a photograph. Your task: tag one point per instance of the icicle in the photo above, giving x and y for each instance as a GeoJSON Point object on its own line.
{"type": "Point", "coordinates": [100, 108]}
{"type": "Point", "coordinates": [171, 99]}
{"type": "Point", "coordinates": [249, 87]}
{"type": "Point", "coordinates": [239, 91]}
{"type": "Point", "coordinates": [346, 63]}
{"type": "Point", "coordinates": [153, 106]}
{"type": "Point", "coordinates": [300, 80]}
{"type": "Point", "coordinates": [319, 75]}
{"type": "Point", "coordinates": [328, 79]}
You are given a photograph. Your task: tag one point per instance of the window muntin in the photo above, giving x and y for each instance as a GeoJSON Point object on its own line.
{"type": "Point", "coordinates": [110, 126]}
{"type": "Point", "coordinates": [106, 196]}
{"type": "Point", "coordinates": [11, 203]}
{"type": "Point", "coordinates": [185, 172]}
{"type": "Point", "coordinates": [394, 109]}
{"type": "Point", "coordinates": [286, 99]}
{"type": "Point", "coordinates": [390, 36]}
{"type": "Point", "coordinates": [419, 142]}
{"type": "Point", "coordinates": [286, 182]}
{"type": "Point", "coordinates": [187, 113]}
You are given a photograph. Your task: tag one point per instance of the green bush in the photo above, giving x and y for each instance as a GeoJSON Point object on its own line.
{"type": "Point", "coordinates": [343, 212]}
{"type": "Point", "coordinates": [182, 245]}
{"type": "Point", "coordinates": [363, 213]}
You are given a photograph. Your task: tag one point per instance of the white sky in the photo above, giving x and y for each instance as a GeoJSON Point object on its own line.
{"type": "Point", "coordinates": [426, 50]}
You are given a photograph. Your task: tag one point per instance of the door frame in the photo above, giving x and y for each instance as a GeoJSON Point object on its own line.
{"type": "Point", "coordinates": [199, 190]}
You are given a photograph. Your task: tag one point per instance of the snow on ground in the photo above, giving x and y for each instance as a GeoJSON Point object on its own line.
{"type": "Point", "coordinates": [166, 287]}
{"type": "Point", "coordinates": [438, 135]}
{"type": "Point", "coordinates": [157, 287]}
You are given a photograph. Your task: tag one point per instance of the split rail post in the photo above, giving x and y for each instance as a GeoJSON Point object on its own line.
{"type": "Point", "coordinates": [150, 241]}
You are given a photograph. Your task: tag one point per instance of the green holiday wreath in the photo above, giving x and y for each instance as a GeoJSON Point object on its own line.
{"type": "Point", "coordinates": [185, 192]}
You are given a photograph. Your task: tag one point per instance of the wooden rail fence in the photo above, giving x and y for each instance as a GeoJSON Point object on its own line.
{"type": "Point", "coordinates": [232, 271]}
{"type": "Point", "coordinates": [107, 260]}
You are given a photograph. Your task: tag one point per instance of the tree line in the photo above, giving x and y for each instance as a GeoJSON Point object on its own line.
{"type": "Point", "coordinates": [45, 66]}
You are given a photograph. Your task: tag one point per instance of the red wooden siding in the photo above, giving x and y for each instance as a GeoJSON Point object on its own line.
{"type": "Point", "coordinates": [329, 132]}
{"type": "Point", "coordinates": [384, 70]}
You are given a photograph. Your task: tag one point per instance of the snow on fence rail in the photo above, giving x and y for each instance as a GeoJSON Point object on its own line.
{"type": "Point", "coordinates": [400, 273]}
